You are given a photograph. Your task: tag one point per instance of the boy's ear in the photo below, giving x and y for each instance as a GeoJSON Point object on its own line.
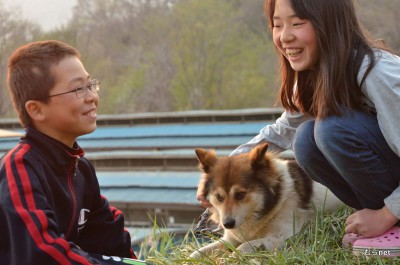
{"type": "Point", "coordinates": [35, 110]}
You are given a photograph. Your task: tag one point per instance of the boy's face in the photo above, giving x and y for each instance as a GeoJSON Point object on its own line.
{"type": "Point", "coordinates": [65, 116]}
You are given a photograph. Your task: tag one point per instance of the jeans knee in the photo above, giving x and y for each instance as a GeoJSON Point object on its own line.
{"type": "Point", "coordinates": [303, 143]}
{"type": "Point", "coordinates": [330, 133]}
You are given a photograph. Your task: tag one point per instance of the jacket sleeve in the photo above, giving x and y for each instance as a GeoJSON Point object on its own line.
{"type": "Point", "coordinates": [382, 88]}
{"type": "Point", "coordinates": [104, 231]}
{"type": "Point", "coordinates": [279, 135]}
{"type": "Point", "coordinates": [29, 232]}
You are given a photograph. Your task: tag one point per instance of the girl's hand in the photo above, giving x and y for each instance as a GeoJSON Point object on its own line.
{"type": "Point", "coordinates": [370, 223]}
{"type": "Point", "coordinates": [203, 200]}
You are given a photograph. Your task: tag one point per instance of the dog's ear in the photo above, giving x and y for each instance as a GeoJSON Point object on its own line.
{"type": "Point", "coordinates": [204, 185]}
{"type": "Point", "coordinates": [257, 155]}
{"type": "Point", "coordinates": [206, 159]}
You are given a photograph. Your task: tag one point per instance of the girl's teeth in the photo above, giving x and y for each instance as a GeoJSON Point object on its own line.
{"type": "Point", "coordinates": [293, 52]}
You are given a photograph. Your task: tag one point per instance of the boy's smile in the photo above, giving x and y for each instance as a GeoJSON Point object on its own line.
{"type": "Point", "coordinates": [66, 116]}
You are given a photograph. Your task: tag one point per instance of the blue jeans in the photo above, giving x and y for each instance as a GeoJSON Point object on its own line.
{"type": "Point", "coordinates": [350, 156]}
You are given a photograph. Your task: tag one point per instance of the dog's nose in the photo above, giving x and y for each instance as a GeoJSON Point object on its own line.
{"type": "Point", "coordinates": [229, 224]}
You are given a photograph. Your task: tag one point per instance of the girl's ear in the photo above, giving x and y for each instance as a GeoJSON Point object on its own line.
{"type": "Point", "coordinates": [35, 110]}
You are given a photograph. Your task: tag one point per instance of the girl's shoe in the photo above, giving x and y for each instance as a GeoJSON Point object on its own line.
{"type": "Point", "coordinates": [386, 245]}
{"type": "Point", "coordinates": [348, 239]}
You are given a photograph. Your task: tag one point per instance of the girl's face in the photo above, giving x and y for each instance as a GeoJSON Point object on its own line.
{"type": "Point", "coordinates": [295, 38]}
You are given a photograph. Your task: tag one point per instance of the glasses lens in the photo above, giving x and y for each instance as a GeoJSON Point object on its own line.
{"type": "Point", "coordinates": [94, 85]}
{"type": "Point", "coordinates": [81, 92]}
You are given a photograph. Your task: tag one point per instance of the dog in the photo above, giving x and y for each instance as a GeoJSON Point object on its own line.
{"type": "Point", "coordinates": [259, 199]}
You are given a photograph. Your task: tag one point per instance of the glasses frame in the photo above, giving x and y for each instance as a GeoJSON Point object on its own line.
{"type": "Point", "coordinates": [93, 86]}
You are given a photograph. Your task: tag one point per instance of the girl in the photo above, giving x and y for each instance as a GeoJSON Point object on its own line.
{"type": "Point", "coordinates": [341, 92]}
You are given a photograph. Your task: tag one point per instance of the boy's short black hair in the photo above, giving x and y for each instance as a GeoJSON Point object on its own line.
{"type": "Point", "coordinates": [30, 76]}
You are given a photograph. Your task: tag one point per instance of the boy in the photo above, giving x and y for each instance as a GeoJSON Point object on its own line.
{"type": "Point", "coordinates": [51, 210]}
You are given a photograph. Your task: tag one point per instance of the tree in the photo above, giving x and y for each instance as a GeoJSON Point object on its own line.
{"type": "Point", "coordinates": [222, 61]}
{"type": "Point", "coordinates": [167, 55]}
{"type": "Point", "coordinates": [381, 19]}
{"type": "Point", "coordinates": [14, 31]}
{"type": "Point", "coordinates": [123, 45]}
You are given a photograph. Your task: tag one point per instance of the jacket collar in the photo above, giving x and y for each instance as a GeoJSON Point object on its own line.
{"type": "Point", "coordinates": [53, 149]}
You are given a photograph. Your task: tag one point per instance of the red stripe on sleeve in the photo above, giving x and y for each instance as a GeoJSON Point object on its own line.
{"type": "Point", "coordinates": [26, 183]}
{"type": "Point", "coordinates": [24, 214]}
{"type": "Point", "coordinates": [116, 212]}
{"type": "Point", "coordinates": [43, 220]}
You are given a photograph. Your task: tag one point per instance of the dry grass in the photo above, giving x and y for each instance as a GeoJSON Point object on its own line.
{"type": "Point", "coordinates": [319, 242]}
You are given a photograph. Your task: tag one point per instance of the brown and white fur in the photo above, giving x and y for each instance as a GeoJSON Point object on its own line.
{"type": "Point", "coordinates": [259, 199]}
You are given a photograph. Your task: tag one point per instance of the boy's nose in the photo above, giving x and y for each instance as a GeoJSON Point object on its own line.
{"type": "Point", "coordinates": [92, 96]}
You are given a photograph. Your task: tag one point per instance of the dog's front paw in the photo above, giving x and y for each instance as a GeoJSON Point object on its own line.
{"type": "Point", "coordinates": [246, 248]}
{"type": "Point", "coordinates": [204, 251]}
{"type": "Point", "coordinates": [200, 252]}
{"type": "Point", "coordinates": [196, 255]}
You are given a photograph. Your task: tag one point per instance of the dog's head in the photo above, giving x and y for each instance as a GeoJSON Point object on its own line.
{"type": "Point", "coordinates": [241, 188]}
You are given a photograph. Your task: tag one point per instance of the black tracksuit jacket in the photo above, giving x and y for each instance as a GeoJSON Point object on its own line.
{"type": "Point", "coordinates": [51, 210]}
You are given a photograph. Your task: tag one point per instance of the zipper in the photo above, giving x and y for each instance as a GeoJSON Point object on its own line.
{"type": "Point", "coordinates": [71, 175]}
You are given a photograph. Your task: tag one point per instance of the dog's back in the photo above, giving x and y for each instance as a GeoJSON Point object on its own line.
{"type": "Point", "coordinates": [310, 191]}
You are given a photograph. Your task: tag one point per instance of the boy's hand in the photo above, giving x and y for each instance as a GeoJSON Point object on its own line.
{"type": "Point", "coordinates": [370, 223]}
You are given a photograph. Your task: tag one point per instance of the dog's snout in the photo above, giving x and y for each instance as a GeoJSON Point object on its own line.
{"type": "Point", "coordinates": [229, 224]}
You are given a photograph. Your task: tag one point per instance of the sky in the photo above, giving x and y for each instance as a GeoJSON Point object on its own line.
{"type": "Point", "coordinates": [49, 14]}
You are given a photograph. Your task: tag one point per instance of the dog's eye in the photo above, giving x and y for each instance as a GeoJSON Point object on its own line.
{"type": "Point", "coordinates": [240, 195]}
{"type": "Point", "coordinates": [219, 197]}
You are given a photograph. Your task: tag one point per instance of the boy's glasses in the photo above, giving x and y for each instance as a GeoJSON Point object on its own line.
{"type": "Point", "coordinates": [80, 92]}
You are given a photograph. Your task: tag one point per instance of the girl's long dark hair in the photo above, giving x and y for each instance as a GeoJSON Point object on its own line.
{"type": "Point", "coordinates": [342, 44]}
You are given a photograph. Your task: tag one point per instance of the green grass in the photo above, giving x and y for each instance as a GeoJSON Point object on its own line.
{"type": "Point", "coordinates": [319, 242]}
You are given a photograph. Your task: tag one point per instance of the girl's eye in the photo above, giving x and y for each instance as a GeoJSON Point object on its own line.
{"type": "Point", "coordinates": [299, 23]}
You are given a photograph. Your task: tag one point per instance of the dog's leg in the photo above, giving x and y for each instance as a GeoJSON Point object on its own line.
{"type": "Point", "coordinates": [226, 239]}
{"type": "Point", "coordinates": [269, 243]}
{"type": "Point", "coordinates": [273, 240]}
{"type": "Point", "coordinates": [207, 249]}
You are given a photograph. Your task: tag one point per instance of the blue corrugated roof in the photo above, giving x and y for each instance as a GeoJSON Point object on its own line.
{"type": "Point", "coordinates": [189, 152]}
{"type": "Point", "coordinates": [157, 187]}
{"type": "Point", "coordinates": [151, 196]}
{"type": "Point", "coordinates": [203, 129]}
{"type": "Point", "coordinates": [160, 187]}
{"type": "Point", "coordinates": [177, 135]}
{"type": "Point", "coordinates": [167, 142]}
{"type": "Point", "coordinates": [149, 179]}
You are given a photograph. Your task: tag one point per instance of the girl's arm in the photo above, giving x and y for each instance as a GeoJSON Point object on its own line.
{"type": "Point", "coordinates": [279, 135]}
